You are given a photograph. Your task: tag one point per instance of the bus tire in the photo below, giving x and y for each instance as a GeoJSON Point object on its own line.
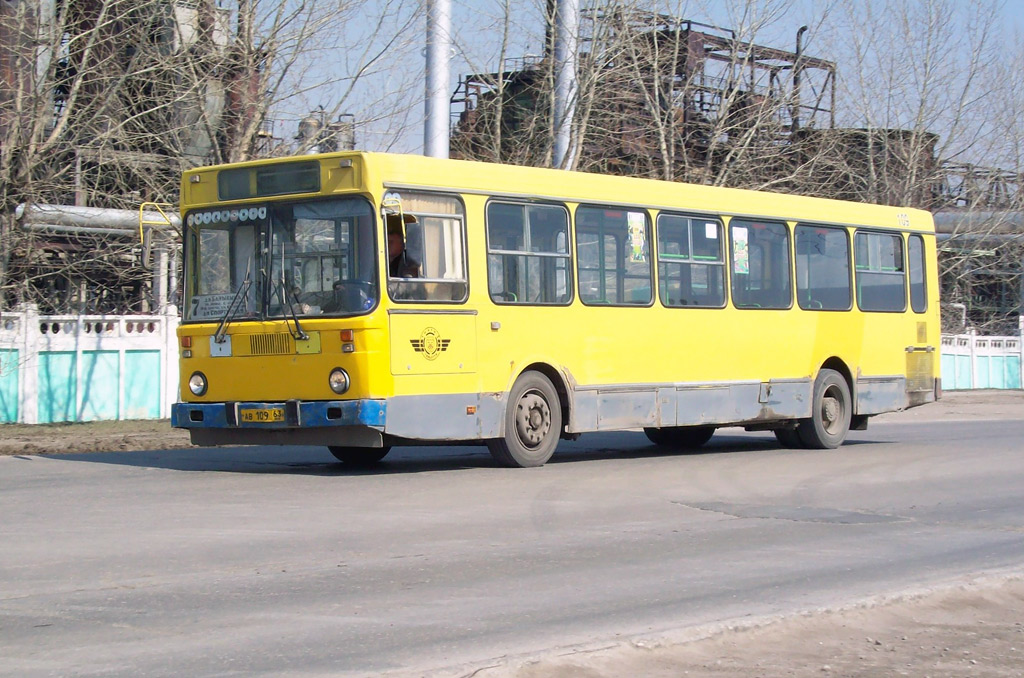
{"type": "Point", "coordinates": [359, 456]}
{"type": "Point", "coordinates": [680, 437]}
{"type": "Point", "coordinates": [831, 410]}
{"type": "Point", "coordinates": [533, 423]}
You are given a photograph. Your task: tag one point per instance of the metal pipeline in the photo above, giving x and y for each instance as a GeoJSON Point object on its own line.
{"type": "Point", "coordinates": [101, 219]}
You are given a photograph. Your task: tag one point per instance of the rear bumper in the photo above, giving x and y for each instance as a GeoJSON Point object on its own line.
{"type": "Point", "coordinates": [298, 414]}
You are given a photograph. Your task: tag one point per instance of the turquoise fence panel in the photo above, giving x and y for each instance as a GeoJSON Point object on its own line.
{"type": "Point", "coordinates": [1012, 372]}
{"type": "Point", "coordinates": [982, 371]}
{"type": "Point", "coordinates": [997, 372]}
{"type": "Point", "coordinates": [100, 379]}
{"type": "Point", "coordinates": [948, 372]}
{"type": "Point", "coordinates": [964, 374]}
{"type": "Point", "coordinates": [141, 382]}
{"type": "Point", "coordinates": [8, 386]}
{"type": "Point", "coordinates": [57, 386]}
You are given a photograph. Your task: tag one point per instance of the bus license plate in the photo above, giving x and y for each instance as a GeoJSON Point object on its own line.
{"type": "Point", "coordinates": [263, 415]}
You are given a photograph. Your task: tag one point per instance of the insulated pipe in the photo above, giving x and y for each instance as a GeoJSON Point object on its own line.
{"type": "Point", "coordinates": [78, 230]}
{"type": "Point", "coordinates": [100, 218]}
{"type": "Point", "coordinates": [979, 222]}
{"type": "Point", "coordinates": [567, 22]}
{"type": "Point", "coordinates": [439, 28]}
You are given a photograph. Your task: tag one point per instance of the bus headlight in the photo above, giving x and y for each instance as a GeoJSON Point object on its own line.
{"type": "Point", "coordinates": [197, 383]}
{"type": "Point", "coordinates": [339, 380]}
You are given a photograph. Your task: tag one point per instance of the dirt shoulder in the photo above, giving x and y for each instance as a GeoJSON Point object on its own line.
{"type": "Point", "coordinates": [964, 405]}
{"type": "Point", "coordinates": [93, 436]}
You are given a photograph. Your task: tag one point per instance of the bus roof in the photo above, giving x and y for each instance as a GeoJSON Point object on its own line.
{"type": "Point", "coordinates": [400, 171]}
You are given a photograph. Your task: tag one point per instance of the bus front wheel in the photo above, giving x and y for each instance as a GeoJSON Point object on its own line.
{"type": "Point", "coordinates": [832, 408]}
{"type": "Point", "coordinates": [533, 423]}
{"type": "Point", "coordinates": [359, 456]}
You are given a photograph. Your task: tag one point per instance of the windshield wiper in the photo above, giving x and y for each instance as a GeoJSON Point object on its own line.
{"type": "Point", "coordinates": [298, 333]}
{"type": "Point", "coordinates": [285, 295]}
{"type": "Point", "coordinates": [243, 289]}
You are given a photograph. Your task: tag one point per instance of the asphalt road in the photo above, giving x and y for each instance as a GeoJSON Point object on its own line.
{"type": "Point", "coordinates": [280, 561]}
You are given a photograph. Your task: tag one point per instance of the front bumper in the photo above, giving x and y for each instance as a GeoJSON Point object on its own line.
{"type": "Point", "coordinates": [298, 414]}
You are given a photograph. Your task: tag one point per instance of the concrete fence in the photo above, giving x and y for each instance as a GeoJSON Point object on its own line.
{"type": "Point", "coordinates": [970, 361]}
{"type": "Point", "coordinates": [58, 368]}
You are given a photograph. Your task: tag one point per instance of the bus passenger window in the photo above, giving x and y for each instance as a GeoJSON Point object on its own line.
{"type": "Point", "coordinates": [528, 259]}
{"type": "Point", "coordinates": [823, 269]}
{"type": "Point", "coordinates": [614, 256]}
{"type": "Point", "coordinates": [691, 263]}
{"type": "Point", "coordinates": [881, 279]}
{"type": "Point", "coordinates": [918, 288]}
{"type": "Point", "coordinates": [760, 264]}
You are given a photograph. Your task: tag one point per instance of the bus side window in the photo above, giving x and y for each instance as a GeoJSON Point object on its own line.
{"type": "Point", "coordinates": [691, 264]}
{"type": "Point", "coordinates": [760, 264]}
{"type": "Point", "coordinates": [613, 246]}
{"type": "Point", "coordinates": [823, 268]}
{"type": "Point", "coordinates": [918, 280]}
{"type": "Point", "coordinates": [528, 260]}
{"type": "Point", "coordinates": [881, 276]}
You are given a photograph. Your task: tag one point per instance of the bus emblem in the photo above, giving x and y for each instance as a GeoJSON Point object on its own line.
{"type": "Point", "coordinates": [430, 343]}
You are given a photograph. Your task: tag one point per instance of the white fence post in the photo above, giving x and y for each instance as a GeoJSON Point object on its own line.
{"type": "Point", "coordinates": [1020, 345]}
{"type": "Point", "coordinates": [169, 380]}
{"type": "Point", "coordinates": [28, 365]}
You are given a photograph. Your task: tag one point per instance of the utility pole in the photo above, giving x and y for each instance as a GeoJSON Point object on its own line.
{"type": "Point", "coordinates": [436, 132]}
{"type": "Point", "coordinates": [567, 24]}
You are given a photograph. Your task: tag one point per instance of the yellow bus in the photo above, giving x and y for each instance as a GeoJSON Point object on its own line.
{"type": "Point", "coordinates": [362, 301]}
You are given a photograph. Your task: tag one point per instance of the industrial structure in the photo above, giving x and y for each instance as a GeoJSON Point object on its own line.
{"type": "Point", "coordinates": [100, 111]}
{"type": "Point", "coordinates": [658, 96]}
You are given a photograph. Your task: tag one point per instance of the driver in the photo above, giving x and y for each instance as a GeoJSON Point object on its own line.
{"type": "Point", "coordinates": [400, 264]}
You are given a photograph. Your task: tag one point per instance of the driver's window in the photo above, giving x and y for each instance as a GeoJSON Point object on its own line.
{"type": "Point", "coordinates": [426, 254]}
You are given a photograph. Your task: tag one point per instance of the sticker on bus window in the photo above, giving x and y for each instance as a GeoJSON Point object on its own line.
{"type": "Point", "coordinates": [205, 306]}
{"type": "Point", "coordinates": [711, 231]}
{"type": "Point", "coordinates": [740, 252]}
{"type": "Point", "coordinates": [637, 236]}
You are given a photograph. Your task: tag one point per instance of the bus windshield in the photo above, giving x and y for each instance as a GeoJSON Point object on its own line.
{"type": "Point", "coordinates": [309, 258]}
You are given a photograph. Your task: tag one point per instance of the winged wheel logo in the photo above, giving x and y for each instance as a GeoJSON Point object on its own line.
{"type": "Point", "coordinates": [430, 344]}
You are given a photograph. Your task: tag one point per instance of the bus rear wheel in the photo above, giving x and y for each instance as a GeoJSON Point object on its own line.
{"type": "Point", "coordinates": [680, 437]}
{"type": "Point", "coordinates": [359, 456]}
{"type": "Point", "coordinates": [832, 408]}
{"type": "Point", "coordinates": [533, 423]}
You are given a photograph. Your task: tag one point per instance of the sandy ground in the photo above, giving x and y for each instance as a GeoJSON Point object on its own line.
{"type": "Point", "coordinates": [964, 629]}
{"type": "Point", "coordinates": [973, 629]}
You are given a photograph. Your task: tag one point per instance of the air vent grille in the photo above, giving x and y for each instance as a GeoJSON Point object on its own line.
{"type": "Point", "coordinates": [271, 344]}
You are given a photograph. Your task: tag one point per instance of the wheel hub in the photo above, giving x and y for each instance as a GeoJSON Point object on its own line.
{"type": "Point", "coordinates": [831, 412]}
{"type": "Point", "coordinates": [533, 419]}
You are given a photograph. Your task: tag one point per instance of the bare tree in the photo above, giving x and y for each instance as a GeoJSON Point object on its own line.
{"type": "Point", "coordinates": [104, 102]}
